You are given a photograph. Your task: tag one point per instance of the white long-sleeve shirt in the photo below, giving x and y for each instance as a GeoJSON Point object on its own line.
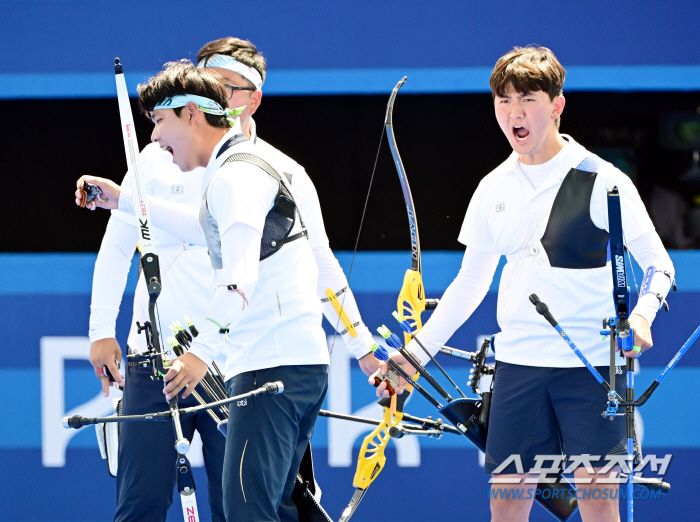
{"type": "Point", "coordinates": [186, 271]}
{"type": "Point", "coordinates": [186, 274]}
{"type": "Point", "coordinates": [274, 314]}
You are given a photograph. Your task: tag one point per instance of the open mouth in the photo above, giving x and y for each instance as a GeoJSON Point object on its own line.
{"type": "Point", "coordinates": [167, 149]}
{"type": "Point", "coordinates": [520, 133]}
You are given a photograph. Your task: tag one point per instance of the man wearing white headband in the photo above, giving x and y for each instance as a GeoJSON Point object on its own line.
{"type": "Point", "coordinates": [188, 281]}
{"type": "Point", "coordinates": [243, 69]}
{"type": "Point", "coordinates": [223, 61]}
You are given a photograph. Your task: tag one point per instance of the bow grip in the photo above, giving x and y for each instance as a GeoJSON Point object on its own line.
{"type": "Point", "coordinates": [626, 343]}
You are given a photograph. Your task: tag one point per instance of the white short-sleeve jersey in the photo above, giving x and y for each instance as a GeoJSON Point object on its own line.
{"type": "Point", "coordinates": [507, 216]}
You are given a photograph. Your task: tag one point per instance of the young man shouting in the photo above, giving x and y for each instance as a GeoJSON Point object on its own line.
{"type": "Point", "coordinates": [265, 312]}
{"type": "Point", "coordinates": [552, 226]}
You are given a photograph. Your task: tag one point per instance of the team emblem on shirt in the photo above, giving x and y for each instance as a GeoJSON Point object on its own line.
{"type": "Point", "coordinates": [500, 207]}
{"type": "Point", "coordinates": [177, 189]}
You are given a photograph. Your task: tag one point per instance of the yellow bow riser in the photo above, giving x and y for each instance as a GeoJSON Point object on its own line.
{"type": "Point", "coordinates": [411, 301]}
{"type": "Point", "coordinates": [372, 458]}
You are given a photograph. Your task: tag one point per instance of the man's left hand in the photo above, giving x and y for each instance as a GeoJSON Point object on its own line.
{"type": "Point", "coordinates": [185, 371]}
{"type": "Point", "coordinates": [642, 335]}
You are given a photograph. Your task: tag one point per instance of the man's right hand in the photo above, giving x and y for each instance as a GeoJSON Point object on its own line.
{"type": "Point", "coordinates": [369, 364]}
{"type": "Point", "coordinates": [405, 365]}
{"type": "Point", "coordinates": [106, 352]}
{"type": "Point", "coordinates": [110, 192]}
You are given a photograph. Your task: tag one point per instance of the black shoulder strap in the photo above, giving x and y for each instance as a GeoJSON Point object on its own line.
{"type": "Point", "coordinates": [231, 142]}
{"type": "Point", "coordinates": [265, 166]}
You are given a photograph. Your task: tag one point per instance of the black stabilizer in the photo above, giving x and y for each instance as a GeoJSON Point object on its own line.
{"type": "Point", "coordinates": [431, 304]}
{"type": "Point", "coordinates": [398, 432]}
{"type": "Point", "coordinates": [430, 423]}
{"type": "Point", "coordinates": [644, 397]}
{"type": "Point", "coordinates": [542, 309]}
{"type": "Point", "coordinates": [75, 422]}
{"type": "Point", "coordinates": [118, 67]}
{"type": "Point", "coordinates": [652, 484]}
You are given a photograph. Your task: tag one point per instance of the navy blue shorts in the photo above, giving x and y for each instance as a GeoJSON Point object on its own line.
{"type": "Point", "coordinates": [551, 411]}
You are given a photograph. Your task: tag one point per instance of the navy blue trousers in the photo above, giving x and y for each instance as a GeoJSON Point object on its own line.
{"type": "Point", "coordinates": [267, 437]}
{"type": "Point", "coordinates": [146, 478]}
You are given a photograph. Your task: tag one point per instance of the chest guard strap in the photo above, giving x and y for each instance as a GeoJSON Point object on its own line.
{"type": "Point", "coordinates": [278, 223]}
{"type": "Point", "coordinates": [281, 217]}
{"type": "Point", "coordinates": [571, 240]}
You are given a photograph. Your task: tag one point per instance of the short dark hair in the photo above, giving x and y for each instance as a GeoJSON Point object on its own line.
{"type": "Point", "coordinates": [242, 50]}
{"type": "Point", "coordinates": [528, 69]}
{"type": "Point", "coordinates": [182, 77]}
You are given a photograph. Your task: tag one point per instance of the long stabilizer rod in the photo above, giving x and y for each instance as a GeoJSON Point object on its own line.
{"type": "Point", "coordinates": [543, 310]}
{"type": "Point", "coordinates": [76, 421]}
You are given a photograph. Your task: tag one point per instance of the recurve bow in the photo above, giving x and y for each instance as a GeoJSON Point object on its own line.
{"type": "Point", "coordinates": [410, 304]}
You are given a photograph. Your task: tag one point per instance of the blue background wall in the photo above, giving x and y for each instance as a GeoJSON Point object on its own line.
{"type": "Point", "coordinates": [64, 49]}
{"type": "Point", "coordinates": [56, 48]}
{"type": "Point", "coordinates": [47, 295]}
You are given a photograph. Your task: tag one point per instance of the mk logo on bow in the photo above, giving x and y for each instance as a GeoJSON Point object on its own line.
{"type": "Point", "coordinates": [145, 233]}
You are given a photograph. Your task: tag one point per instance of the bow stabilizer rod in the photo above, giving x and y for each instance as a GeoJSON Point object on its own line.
{"type": "Point", "coordinates": [422, 426]}
{"type": "Point", "coordinates": [543, 310]}
{"type": "Point", "coordinates": [77, 422]}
